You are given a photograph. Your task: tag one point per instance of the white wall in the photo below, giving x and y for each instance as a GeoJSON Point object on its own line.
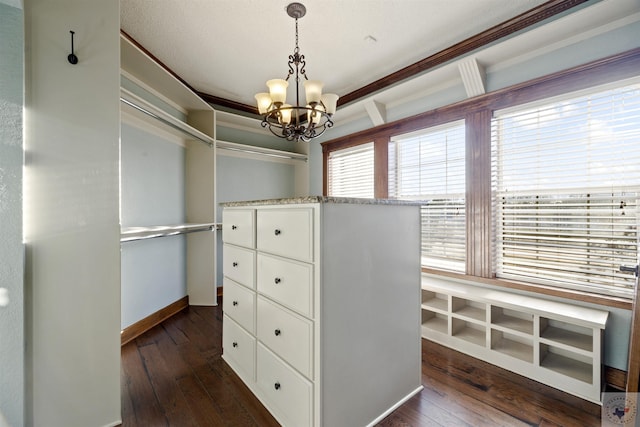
{"type": "Point", "coordinates": [72, 286]}
{"type": "Point", "coordinates": [11, 248]}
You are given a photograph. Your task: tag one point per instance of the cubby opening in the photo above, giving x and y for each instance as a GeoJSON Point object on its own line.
{"type": "Point", "coordinates": [435, 300]}
{"type": "Point", "coordinates": [511, 319]}
{"type": "Point", "coordinates": [567, 363]}
{"type": "Point", "coordinates": [434, 321]}
{"type": "Point", "coordinates": [469, 331]}
{"type": "Point", "coordinates": [471, 309]}
{"type": "Point", "coordinates": [566, 333]}
{"type": "Point", "coordinates": [512, 345]}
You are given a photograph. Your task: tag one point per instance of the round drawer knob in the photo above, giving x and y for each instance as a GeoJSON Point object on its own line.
{"type": "Point", "coordinates": [277, 232]}
{"type": "Point", "coordinates": [235, 264]}
{"type": "Point", "coordinates": [235, 303]}
{"type": "Point", "coordinates": [276, 386]}
{"type": "Point", "coordinates": [233, 227]}
{"type": "Point", "coordinates": [277, 280]}
{"type": "Point", "coordinates": [235, 344]}
{"type": "Point", "coordinates": [277, 332]}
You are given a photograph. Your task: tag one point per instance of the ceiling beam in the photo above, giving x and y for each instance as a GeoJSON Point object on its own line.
{"type": "Point", "coordinates": [377, 112]}
{"type": "Point", "coordinates": [473, 77]}
{"type": "Point", "coordinates": [520, 22]}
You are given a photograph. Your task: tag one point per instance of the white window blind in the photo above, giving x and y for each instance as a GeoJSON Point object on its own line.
{"type": "Point", "coordinates": [429, 165]}
{"type": "Point", "coordinates": [567, 184]}
{"type": "Point", "coordinates": [351, 172]}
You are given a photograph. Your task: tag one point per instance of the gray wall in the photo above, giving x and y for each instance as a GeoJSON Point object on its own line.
{"type": "Point", "coordinates": [240, 178]}
{"type": "Point", "coordinates": [11, 249]}
{"type": "Point", "coordinates": [152, 180]}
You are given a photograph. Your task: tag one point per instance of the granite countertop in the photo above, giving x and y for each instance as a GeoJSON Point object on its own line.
{"type": "Point", "coordinates": [320, 199]}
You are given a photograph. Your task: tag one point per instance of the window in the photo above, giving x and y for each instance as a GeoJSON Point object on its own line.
{"type": "Point", "coordinates": [553, 188]}
{"type": "Point", "coordinates": [350, 172]}
{"type": "Point", "coordinates": [429, 165]}
{"type": "Point", "coordinates": [567, 189]}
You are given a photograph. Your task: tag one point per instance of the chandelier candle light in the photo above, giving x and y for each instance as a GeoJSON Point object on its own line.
{"type": "Point", "coordinates": [296, 122]}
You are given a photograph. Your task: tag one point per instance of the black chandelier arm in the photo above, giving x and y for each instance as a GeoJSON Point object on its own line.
{"type": "Point", "coordinates": [291, 63]}
{"type": "Point", "coordinates": [297, 129]}
{"type": "Point", "coordinates": [303, 64]}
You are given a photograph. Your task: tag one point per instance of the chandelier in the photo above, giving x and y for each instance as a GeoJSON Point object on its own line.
{"type": "Point", "coordinates": [296, 122]}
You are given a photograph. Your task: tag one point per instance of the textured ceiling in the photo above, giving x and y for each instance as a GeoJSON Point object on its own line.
{"type": "Point", "coordinates": [229, 48]}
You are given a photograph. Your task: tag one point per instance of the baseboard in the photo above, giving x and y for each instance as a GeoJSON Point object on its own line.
{"type": "Point", "coordinates": [140, 327]}
{"type": "Point", "coordinates": [615, 378]}
{"type": "Point", "coordinates": [394, 407]}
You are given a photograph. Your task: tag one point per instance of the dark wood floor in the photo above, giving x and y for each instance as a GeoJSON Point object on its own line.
{"type": "Point", "coordinates": [173, 375]}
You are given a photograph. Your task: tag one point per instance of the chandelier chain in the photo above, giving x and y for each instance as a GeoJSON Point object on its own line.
{"type": "Point", "coordinates": [297, 49]}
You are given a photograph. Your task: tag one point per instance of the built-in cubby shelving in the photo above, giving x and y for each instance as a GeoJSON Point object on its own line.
{"type": "Point", "coordinates": [434, 321]}
{"type": "Point", "coordinates": [564, 334]}
{"type": "Point", "coordinates": [567, 363]}
{"type": "Point", "coordinates": [556, 343]}
{"type": "Point", "coordinates": [512, 345]}
{"type": "Point", "coordinates": [511, 320]}
{"type": "Point", "coordinates": [468, 331]}
{"type": "Point", "coordinates": [433, 300]}
{"type": "Point", "coordinates": [465, 308]}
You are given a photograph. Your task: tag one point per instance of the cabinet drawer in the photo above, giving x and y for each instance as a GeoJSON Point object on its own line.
{"type": "Point", "coordinates": [238, 227]}
{"type": "Point", "coordinates": [286, 392]}
{"type": "Point", "coordinates": [239, 304]}
{"type": "Point", "coordinates": [288, 282]}
{"type": "Point", "coordinates": [238, 264]}
{"type": "Point", "coordinates": [289, 335]}
{"type": "Point", "coordinates": [239, 349]}
{"type": "Point", "coordinates": [286, 232]}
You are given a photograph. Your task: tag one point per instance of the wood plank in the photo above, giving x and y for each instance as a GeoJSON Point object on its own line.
{"type": "Point", "coordinates": [145, 408]}
{"type": "Point", "coordinates": [235, 408]}
{"type": "Point", "coordinates": [200, 402]}
{"type": "Point", "coordinates": [242, 394]}
{"type": "Point", "coordinates": [615, 378]}
{"type": "Point", "coordinates": [169, 395]}
{"type": "Point", "coordinates": [472, 411]}
{"type": "Point", "coordinates": [131, 332]}
{"type": "Point", "coordinates": [174, 375]}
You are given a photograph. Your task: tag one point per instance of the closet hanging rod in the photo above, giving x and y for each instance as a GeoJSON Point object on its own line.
{"type": "Point", "coordinates": [165, 121]}
{"type": "Point", "coordinates": [223, 145]}
{"type": "Point", "coordinates": [154, 232]}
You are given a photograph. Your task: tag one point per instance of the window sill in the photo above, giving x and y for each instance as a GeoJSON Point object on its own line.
{"type": "Point", "coordinates": [569, 294]}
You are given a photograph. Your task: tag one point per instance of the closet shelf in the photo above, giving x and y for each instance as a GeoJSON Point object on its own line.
{"type": "Point", "coordinates": [138, 107]}
{"type": "Point", "coordinates": [131, 234]}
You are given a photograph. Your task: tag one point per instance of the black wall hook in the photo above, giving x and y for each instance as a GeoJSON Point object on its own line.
{"type": "Point", "coordinates": [72, 58]}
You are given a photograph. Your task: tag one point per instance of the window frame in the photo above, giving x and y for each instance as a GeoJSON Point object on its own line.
{"type": "Point", "coordinates": [452, 234]}
{"type": "Point", "coordinates": [477, 113]}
